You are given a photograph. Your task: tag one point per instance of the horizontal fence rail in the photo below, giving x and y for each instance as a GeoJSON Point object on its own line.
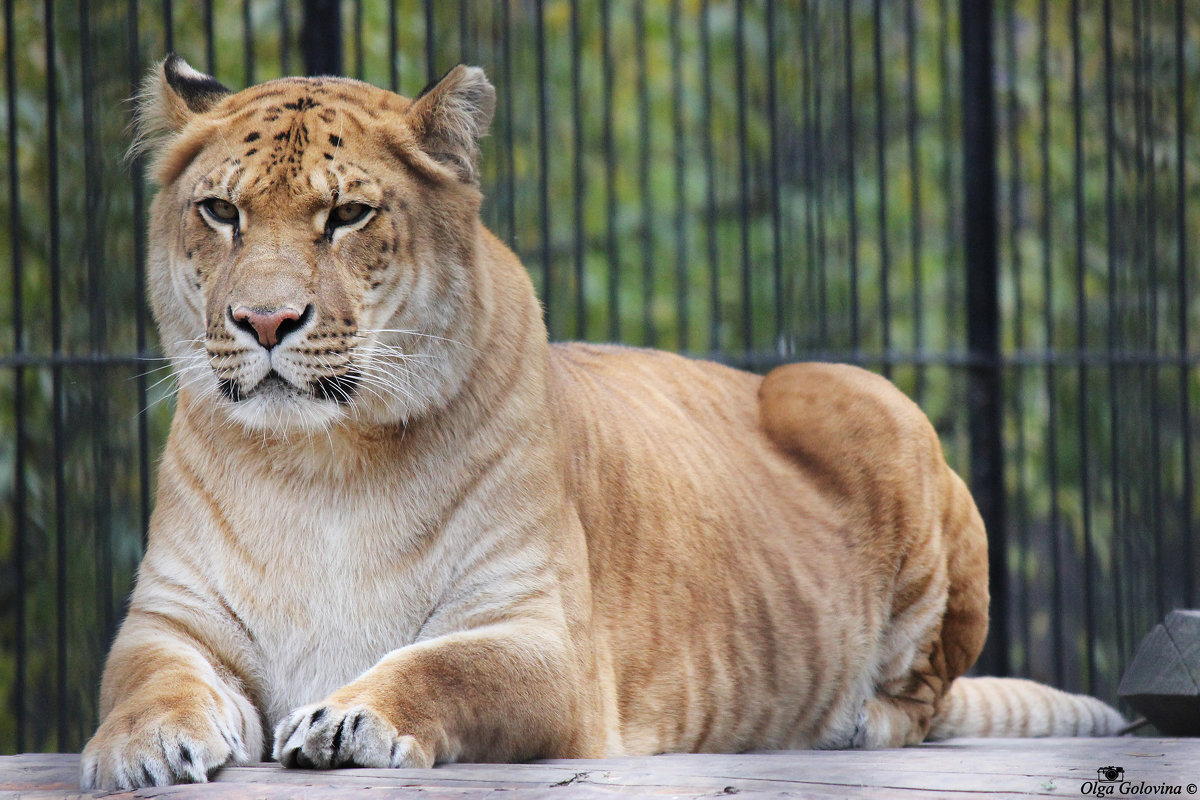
{"type": "Point", "coordinates": [745, 180]}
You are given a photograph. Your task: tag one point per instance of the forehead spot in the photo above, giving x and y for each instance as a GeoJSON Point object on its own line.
{"type": "Point", "coordinates": [252, 137]}
{"type": "Point", "coordinates": [302, 104]}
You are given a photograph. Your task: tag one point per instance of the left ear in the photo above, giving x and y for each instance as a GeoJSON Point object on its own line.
{"type": "Point", "coordinates": [450, 117]}
{"type": "Point", "coordinates": [172, 95]}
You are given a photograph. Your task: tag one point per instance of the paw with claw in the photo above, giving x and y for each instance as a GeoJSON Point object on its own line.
{"type": "Point", "coordinates": [136, 747]}
{"type": "Point", "coordinates": [327, 735]}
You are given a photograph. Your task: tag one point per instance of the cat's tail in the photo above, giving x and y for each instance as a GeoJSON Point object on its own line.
{"type": "Point", "coordinates": [1012, 707]}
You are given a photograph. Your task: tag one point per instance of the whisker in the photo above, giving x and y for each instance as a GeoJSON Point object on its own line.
{"type": "Point", "coordinates": [149, 372]}
{"type": "Point", "coordinates": [406, 332]}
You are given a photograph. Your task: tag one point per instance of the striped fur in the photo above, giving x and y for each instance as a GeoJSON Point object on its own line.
{"type": "Point", "coordinates": [411, 531]}
{"type": "Point", "coordinates": [1019, 708]}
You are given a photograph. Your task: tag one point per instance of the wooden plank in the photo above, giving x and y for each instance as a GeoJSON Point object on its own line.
{"type": "Point", "coordinates": [992, 768]}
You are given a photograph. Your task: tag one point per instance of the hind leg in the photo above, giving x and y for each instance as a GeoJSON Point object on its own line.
{"type": "Point", "coordinates": [911, 679]}
{"type": "Point", "coordinates": [877, 453]}
{"type": "Point", "coordinates": [902, 710]}
{"type": "Point", "coordinates": [946, 624]}
{"type": "Point", "coordinates": [911, 672]}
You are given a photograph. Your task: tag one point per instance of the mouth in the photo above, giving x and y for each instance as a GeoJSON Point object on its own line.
{"type": "Point", "coordinates": [338, 389]}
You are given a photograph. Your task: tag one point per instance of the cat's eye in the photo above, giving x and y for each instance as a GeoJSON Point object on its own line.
{"type": "Point", "coordinates": [220, 211]}
{"type": "Point", "coordinates": [348, 214]}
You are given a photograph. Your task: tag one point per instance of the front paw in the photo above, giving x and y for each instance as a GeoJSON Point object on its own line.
{"type": "Point", "coordinates": [327, 735]}
{"type": "Point", "coordinates": [137, 747]}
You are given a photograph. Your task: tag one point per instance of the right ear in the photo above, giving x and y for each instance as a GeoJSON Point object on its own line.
{"type": "Point", "coordinates": [450, 116]}
{"type": "Point", "coordinates": [173, 93]}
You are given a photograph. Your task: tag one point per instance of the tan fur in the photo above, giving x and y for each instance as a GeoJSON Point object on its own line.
{"type": "Point", "coordinates": [414, 532]}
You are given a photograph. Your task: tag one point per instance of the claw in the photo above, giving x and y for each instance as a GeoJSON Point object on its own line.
{"type": "Point", "coordinates": [337, 742]}
{"type": "Point", "coordinates": [332, 735]}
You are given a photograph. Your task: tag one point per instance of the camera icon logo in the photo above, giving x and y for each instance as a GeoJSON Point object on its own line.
{"type": "Point", "coordinates": [1110, 774]}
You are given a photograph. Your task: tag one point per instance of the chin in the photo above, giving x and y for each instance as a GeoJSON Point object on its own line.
{"type": "Point", "coordinates": [281, 410]}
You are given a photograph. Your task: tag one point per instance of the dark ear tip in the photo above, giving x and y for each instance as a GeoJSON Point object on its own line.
{"type": "Point", "coordinates": [199, 91]}
{"type": "Point", "coordinates": [175, 68]}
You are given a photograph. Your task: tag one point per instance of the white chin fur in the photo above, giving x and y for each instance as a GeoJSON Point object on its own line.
{"type": "Point", "coordinates": [281, 415]}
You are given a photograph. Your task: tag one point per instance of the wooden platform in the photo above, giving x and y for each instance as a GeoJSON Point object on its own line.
{"type": "Point", "coordinates": [1004, 768]}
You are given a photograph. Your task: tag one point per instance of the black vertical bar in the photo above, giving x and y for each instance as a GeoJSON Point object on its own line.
{"type": "Point", "coordinates": [983, 324]}
{"type": "Point", "coordinates": [430, 43]}
{"type": "Point", "coordinates": [20, 688]}
{"type": "Point", "coordinates": [393, 52]}
{"type": "Point", "coordinates": [683, 318]}
{"type": "Point", "coordinates": [321, 37]}
{"type": "Point", "coordinates": [97, 297]}
{"type": "Point", "coordinates": [544, 162]}
{"type": "Point", "coordinates": [509, 142]}
{"type": "Point", "coordinates": [490, 31]}
{"type": "Point", "coordinates": [808, 177]}
{"type": "Point", "coordinates": [464, 51]}
{"type": "Point", "coordinates": [359, 54]}
{"type": "Point", "coordinates": [1019, 608]}
{"type": "Point", "coordinates": [1150, 268]}
{"type": "Point", "coordinates": [1110, 207]}
{"type": "Point", "coordinates": [953, 300]}
{"type": "Point", "coordinates": [139, 286]}
{"type": "Point", "coordinates": [210, 39]}
{"type": "Point", "coordinates": [168, 8]}
{"type": "Point", "coordinates": [1089, 554]}
{"type": "Point", "coordinates": [776, 197]}
{"type": "Point", "coordinates": [1181, 257]}
{"type": "Point", "coordinates": [885, 258]}
{"type": "Point", "coordinates": [815, 74]}
{"type": "Point", "coordinates": [739, 56]}
{"type": "Point", "coordinates": [56, 330]}
{"type": "Point", "coordinates": [139, 260]}
{"type": "Point", "coordinates": [851, 180]}
{"type": "Point", "coordinates": [1137, 244]}
{"type": "Point", "coordinates": [91, 267]}
{"type": "Point", "coordinates": [578, 174]}
{"type": "Point", "coordinates": [247, 43]}
{"type": "Point", "coordinates": [65, 711]}
{"type": "Point", "coordinates": [917, 221]}
{"type": "Point", "coordinates": [610, 168]}
{"type": "Point", "coordinates": [649, 335]}
{"type": "Point", "coordinates": [508, 87]}
{"type": "Point", "coordinates": [1057, 629]}
{"type": "Point", "coordinates": [714, 268]}
{"type": "Point", "coordinates": [285, 38]}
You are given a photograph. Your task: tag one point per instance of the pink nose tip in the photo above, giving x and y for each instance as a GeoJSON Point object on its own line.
{"type": "Point", "coordinates": [269, 325]}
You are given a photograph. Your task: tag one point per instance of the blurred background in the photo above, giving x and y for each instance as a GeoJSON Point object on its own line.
{"type": "Point", "coordinates": [994, 204]}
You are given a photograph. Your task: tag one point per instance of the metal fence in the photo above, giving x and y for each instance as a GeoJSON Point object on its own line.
{"type": "Point", "coordinates": [995, 204]}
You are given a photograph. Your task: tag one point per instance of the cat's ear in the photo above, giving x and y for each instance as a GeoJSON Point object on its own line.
{"type": "Point", "coordinates": [173, 93]}
{"type": "Point", "coordinates": [450, 116]}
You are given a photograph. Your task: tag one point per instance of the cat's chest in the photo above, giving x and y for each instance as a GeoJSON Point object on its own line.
{"type": "Point", "coordinates": [326, 588]}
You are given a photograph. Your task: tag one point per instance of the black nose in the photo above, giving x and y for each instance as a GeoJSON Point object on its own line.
{"type": "Point", "coordinates": [269, 325]}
